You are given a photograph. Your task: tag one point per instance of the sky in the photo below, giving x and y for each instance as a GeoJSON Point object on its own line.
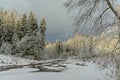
{"type": "Point", "coordinates": [59, 21]}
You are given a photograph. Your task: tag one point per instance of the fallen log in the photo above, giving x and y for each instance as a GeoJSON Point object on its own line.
{"type": "Point", "coordinates": [56, 61]}
{"type": "Point", "coordinates": [49, 69]}
{"type": "Point", "coordinates": [59, 65]}
{"type": "Point", "coordinates": [8, 67]}
{"type": "Point", "coordinates": [81, 64]}
{"type": "Point", "coordinates": [36, 65]}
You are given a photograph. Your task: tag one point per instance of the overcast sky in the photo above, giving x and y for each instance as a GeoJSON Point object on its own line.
{"type": "Point", "coordinates": [59, 21]}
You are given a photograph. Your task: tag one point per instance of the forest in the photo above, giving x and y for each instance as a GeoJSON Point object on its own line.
{"type": "Point", "coordinates": [93, 47]}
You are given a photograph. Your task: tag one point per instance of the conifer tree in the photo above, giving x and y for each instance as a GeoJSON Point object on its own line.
{"type": "Point", "coordinates": [32, 25]}
{"type": "Point", "coordinates": [1, 29]}
{"type": "Point", "coordinates": [18, 31]}
{"type": "Point", "coordinates": [42, 33]}
{"type": "Point", "coordinates": [16, 38]}
{"type": "Point", "coordinates": [24, 25]}
{"type": "Point", "coordinates": [1, 35]}
{"type": "Point", "coordinates": [59, 47]}
{"type": "Point", "coordinates": [8, 24]}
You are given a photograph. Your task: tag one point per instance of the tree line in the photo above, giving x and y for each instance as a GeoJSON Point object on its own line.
{"type": "Point", "coordinates": [22, 34]}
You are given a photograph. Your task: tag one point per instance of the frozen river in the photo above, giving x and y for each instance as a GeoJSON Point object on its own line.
{"type": "Point", "coordinates": [73, 72]}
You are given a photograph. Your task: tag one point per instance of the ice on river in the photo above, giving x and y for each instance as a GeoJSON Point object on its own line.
{"type": "Point", "coordinates": [73, 72]}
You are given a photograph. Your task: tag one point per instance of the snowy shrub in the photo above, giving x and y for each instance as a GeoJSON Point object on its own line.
{"type": "Point", "coordinates": [50, 50]}
{"type": "Point", "coordinates": [5, 49]}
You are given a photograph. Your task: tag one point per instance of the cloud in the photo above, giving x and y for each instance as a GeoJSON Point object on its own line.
{"type": "Point", "coordinates": [57, 18]}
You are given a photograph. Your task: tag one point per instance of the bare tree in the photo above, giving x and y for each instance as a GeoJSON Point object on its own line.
{"type": "Point", "coordinates": [94, 17]}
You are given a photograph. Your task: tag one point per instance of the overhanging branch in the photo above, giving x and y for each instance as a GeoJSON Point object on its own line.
{"type": "Point", "coordinates": [112, 9]}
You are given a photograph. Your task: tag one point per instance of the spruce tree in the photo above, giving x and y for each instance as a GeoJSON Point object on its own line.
{"type": "Point", "coordinates": [32, 25]}
{"type": "Point", "coordinates": [59, 47]}
{"type": "Point", "coordinates": [8, 25]}
{"type": "Point", "coordinates": [18, 31]}
{"type": "Point", "coordinates": [42, 33]}
{"type": "Point", "coordinates": [16, 38]}
{"type": "Point", "coordinates": [1, 35]}
{"type": "Point", "coordinates": [24, 25]}
{"type": "Point", "coordinates": [1, 29]}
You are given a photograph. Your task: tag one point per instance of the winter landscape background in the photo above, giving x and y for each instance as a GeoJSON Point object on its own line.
{"type": "Point", "coordinates": [59, 40]}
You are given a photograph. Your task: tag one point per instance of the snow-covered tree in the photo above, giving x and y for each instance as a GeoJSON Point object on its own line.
{"type": "Point", "coordinates": [32, 25]}
{"type": "Point", "coordinates": [42, 33]}
{"type": "Point", "coordinates": [59, 47]}
{"type": "Point", "coordinates": [29, 47]}
{"type": "Point", "coordinates": [8, 25]}
{"type": "Point", "coordinates": [23, 26]}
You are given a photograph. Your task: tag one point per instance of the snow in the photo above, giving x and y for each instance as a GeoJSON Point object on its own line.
{"type": "Point", "coordinates": [9, 60]}
{"type": "Point", "coordinates": [72, 72]}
